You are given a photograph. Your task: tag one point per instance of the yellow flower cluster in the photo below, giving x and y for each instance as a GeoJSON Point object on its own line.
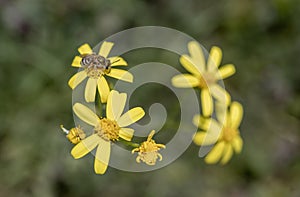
{"type": "Point", "coordinates": [205, 75]}
{"type": "Point", "coordinates": [115, 126]}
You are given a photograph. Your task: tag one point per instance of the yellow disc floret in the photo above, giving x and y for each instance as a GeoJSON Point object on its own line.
{"type": "Point", "coordinates": [206, 79]}
{"type": "Point", "coordinates": [148, 151]}
{"type": "Point", "coordinates": [228, 134]}
{"type": "Point", "coordinates": [74, 135]}
{"type": "Point", "coordinates": [108, 129]}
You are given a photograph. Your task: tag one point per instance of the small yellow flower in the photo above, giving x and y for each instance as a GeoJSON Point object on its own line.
{"type": "Point", "coordinates": [224, 132]}
{"type": "Point", "coordinates": [148, 151]}
{"type": "Point", "coordinates": [74, 135]}
{"type": "Point", "coordinates": [204, 77]}
{"type": "Point", "coordinates": [95, 66]}
{"type": "Point", "coordinates": [106, 130]}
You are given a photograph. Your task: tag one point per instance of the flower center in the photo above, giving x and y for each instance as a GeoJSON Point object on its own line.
{"type": "Point", "coordinates": [206, 79]}
{"type": "Point", "coordinates": [148, 152]}
{"type": "Point", "coordinates": [107, 129]}
{"type": "Point", "coordinates": [96, 65]}
{"type": "Point", "coordinates": [229, 134]}
{"type": "Point", "coordinates": [149, 146]}
{"type": "Point", "coordinates": [149, 157]}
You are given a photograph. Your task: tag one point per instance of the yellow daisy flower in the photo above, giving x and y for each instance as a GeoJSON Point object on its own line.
{"type": "Point", "coordinates": [148, 151]}
{"type": "Point", "coordinates": [106, 130]}
{"type": "Point", "coordinates": [204, 76]}
{"type": "Point", "coordinates": [95, 66]}
{"type": "Point", "coordinates": [224, 132]}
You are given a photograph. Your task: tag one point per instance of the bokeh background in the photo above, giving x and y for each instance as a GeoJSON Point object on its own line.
{"type": "Point", "coordinates": [38, 40]}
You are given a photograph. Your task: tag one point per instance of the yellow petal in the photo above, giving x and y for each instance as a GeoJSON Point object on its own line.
{"type": "Point", "coordinates": [102, 157]}
{"type": "Point", "coordinates": [131, 116]}
{"type": "Point", "coordinates": [225, 71]}
{"type": "Point", "coordinates": [121, 74]}
{"type": "Point", "coordinates": [90, 90]}
{"type": "Point", "coordinates": [201, 122]}
{"type": "Point", "coordinates": [221, 113]}
{"type": "Point", "coordinates": [185, 81]}
{"type": "Point", "coordinates": [215, 154]}
{"type": "Point", "coordinates": [204, 139]}
{"type": "Point", "coordinates": [85, 49]}
{"type": "Point", "coordinates": [220, 94]}
{"type": "Point", "coordinates": [117, 61]}
{"type": "Point", "coordinates": [197, 55]}
{"type": "Point", "coordinates": [214, 128]}
{"type": "Point", "coordinates": [211, 136]}
{"type": "Point", "coordinates": [189, 65]}
{"type": "Point", "coordinates": [85, 114]}
{"type": "Point", "coordinates": [214, 59]}
{"type": "Point", "coordinates": [103, 89]}
{"type": "Point", "coordinates": [206, 102]}
{"type": "Point", "coordinates": [126, 133]}
{"type": "Point", "coordinates": [105, 48]}
{"type": "Point", "coordinates": [77, 61]}
{"type": "Point", "coordinates": [237, 144]}
{"type": "Point", "coordinates": [85, 146]}
{"type": "Point", "coordinates": [115, 105]}
{"type": "Point", "coordinates": [236, 114]}
{"type": "Point", "coordinates": [77, 79]}
{"type": "Point", "coordinates": [228, 151]}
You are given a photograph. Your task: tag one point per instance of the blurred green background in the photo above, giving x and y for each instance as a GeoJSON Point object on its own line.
{"type": "Point", "coordinates": [38, 40]}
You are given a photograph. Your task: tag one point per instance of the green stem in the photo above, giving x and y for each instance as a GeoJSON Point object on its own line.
{"type": "Point", "coordinates": [100, 107]}
{"type": "Point", "coordinates": [132, 144]}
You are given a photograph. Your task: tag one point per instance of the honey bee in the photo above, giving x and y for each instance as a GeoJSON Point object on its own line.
{"type": "Point", "coordinates": [74, 135]}
{"type": "Point", "coordinates": [96, 62]}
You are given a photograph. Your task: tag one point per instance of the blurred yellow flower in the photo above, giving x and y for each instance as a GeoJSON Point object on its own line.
{"type": "Point", "coordinates": [224, 132]}
{"type": "Point", "coordinates": [106, 130]}
{"type": "Point", "coordinates": [204, 76]}
{"type": "Point", "coordinates": [95, 66]}
{"type": "Point", "coordinates": [148, 151]}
